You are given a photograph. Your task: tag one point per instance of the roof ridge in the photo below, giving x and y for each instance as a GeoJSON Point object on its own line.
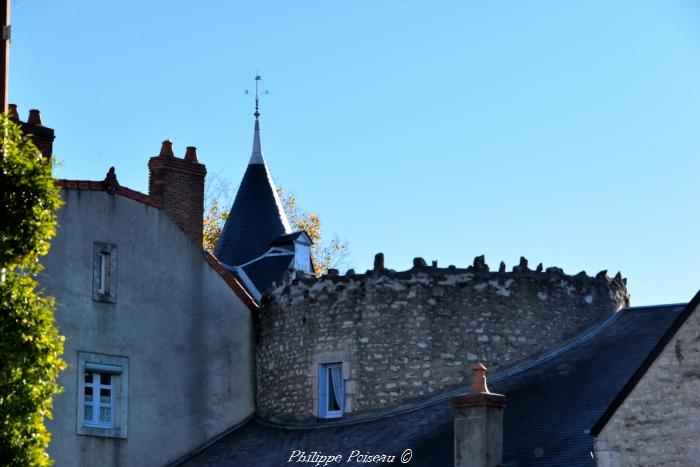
{"type": "Point", "coordinates": [231, 280]}
{"type": "Point", "coordinates": [101, 185]}
{"type": "Point", "coordinates": [646, 363]}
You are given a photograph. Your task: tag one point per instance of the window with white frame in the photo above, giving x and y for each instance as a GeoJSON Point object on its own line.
{"type": "Point", "coordinates": [102, 395]}
{"type": "Point", "coordinates": [302, 252]}
{"type": "Point", "coordinates": [98, 396]}
{"type": "Point", "coordinates": [104, 272]}
{"type": "Point", "coordinates": [331, 390]}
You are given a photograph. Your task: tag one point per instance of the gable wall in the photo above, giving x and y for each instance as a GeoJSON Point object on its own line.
{"type": "Point", "coordinates": [659, 421]}
{"type": "Point", "coordinates": [187, 336]}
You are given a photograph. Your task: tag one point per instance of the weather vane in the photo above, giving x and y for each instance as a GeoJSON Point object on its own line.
{"type": "Point", "coordinates": [257, 95]}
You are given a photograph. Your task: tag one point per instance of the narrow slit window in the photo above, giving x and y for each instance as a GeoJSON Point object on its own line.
{"type": "Point", "coordinates": [103, 274]}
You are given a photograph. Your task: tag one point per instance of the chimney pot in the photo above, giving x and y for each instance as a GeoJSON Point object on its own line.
{"type": "Point", "coordinates": [478, 424]}
{"type": "Point", "coordinates": [166, 149]}
{"type": "Point", "coordinates": [179, 184]}
{"type": "Point", "coordinates": [191, 154]}
{"type": "Point", "coordinates": [12, 112]}
{"type": "Point", "coordinates": [41, 136]}
{"type": "Point", "coordinates": [34, 117]}
{"type": "Point", "coordinates": [479, 379]}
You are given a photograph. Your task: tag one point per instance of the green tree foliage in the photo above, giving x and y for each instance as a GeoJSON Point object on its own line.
{"type": "Point", "coordinates": [214, 219]}
{"type": "Point", "coordinates": [324, 254]}
{"type": "Point", "coordinates": [30, 347]}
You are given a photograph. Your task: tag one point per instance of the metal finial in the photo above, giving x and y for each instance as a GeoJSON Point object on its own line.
{"type": "Point", "coordinates": [257, 96]}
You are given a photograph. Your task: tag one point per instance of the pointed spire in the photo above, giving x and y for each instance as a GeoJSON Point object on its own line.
{"type": "Point", "coordinates": [257, 216]}
{"type": "Point", "coordinates": [257, 156]}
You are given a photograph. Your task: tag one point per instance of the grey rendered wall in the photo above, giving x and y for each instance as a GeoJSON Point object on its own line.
{"type": "Point", "coordinates": [187, 336]}
{"type": "Point", "coordinates": [659, 421]}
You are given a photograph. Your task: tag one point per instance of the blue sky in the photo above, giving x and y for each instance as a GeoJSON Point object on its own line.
{"type": "Point", "coordinates": [565, 132]}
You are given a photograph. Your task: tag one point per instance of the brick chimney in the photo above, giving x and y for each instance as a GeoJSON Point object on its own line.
{"type": "Point", "coordinates": [41, 136]}
{"type": "Point", "coordinates": [179, 183]}
{"type": "Point", "coordinates": [478, 429]}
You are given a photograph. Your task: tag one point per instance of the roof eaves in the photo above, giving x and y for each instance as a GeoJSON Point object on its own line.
{"type": "Point", "coordinates": [93, 185]}
{"type": "Point", "coordinates": [212, 441]}
{"type": "Point", "coordinates": [287, 238]}
{"type": "Point", "coordinates": [270, 252]}
{"type": "Point", "coordinates": [249, 283]}
{"type": "Point", "coordinates": [236, 286]}
{"type": "Point", "coordinates": [648, 361]}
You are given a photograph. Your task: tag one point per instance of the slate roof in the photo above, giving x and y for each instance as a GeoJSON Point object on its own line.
{"type": "Point", "coordinates": [268, 269]}
{"type": "Point", "coordinates": [550, 407]}
{"type": "Point", "coordinates": [648, 361]}
{"type": "Point", "coordinates": [256, 217]}
{"type": "Point", "coordinates": [287, 238]}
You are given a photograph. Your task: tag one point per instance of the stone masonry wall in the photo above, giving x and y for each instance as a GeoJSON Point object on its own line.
{"type": "Point", "coordinates": [659, 421]}
{"type": "Point", "coordinates": [408, 336]}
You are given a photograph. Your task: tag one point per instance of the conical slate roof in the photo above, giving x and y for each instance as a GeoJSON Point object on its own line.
{"type": "Point", "coordinates": [256, 217]}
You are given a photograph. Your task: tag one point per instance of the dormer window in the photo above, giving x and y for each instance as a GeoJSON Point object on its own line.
{"type": "Point", "coordinates": [302, 256]}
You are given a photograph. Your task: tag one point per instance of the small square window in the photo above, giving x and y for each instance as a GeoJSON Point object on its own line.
{"type": "Point", "coordinates": [331, 390]}
{"type": "Point", "coordinates": [102, 395]}
{"type": "Point", "coordinates": [104, 272]}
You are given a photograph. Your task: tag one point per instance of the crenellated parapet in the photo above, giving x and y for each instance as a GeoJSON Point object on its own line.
{"type": "Point", "coordinates": [410, 335]}
{"type": "Point", "coordinates": [479, 269]}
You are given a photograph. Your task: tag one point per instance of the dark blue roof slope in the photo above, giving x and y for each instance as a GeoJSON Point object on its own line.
{"type": "Point", "coordinates": [550, 407]}
{"type": "Point", "coordinates": [268, 269]}
{"type": "Point", "coordinates": [255, 220]}
{"type": "Point", "coordinates": [651, 357]}
{"type": "Point", "coordinates": [428, 433]}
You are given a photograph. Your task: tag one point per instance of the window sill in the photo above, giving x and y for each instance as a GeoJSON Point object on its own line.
{"type": "Point", "coordinates": [116, 432]}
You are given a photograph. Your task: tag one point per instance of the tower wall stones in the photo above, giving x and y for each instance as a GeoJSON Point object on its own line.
{"type": "Point", "coordinates": [410, 335]}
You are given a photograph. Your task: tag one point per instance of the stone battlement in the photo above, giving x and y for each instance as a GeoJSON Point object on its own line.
{"type": "Point", "coordinates": [479, 269]}
{"type": "Point", "coordinates": [409, 335]}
